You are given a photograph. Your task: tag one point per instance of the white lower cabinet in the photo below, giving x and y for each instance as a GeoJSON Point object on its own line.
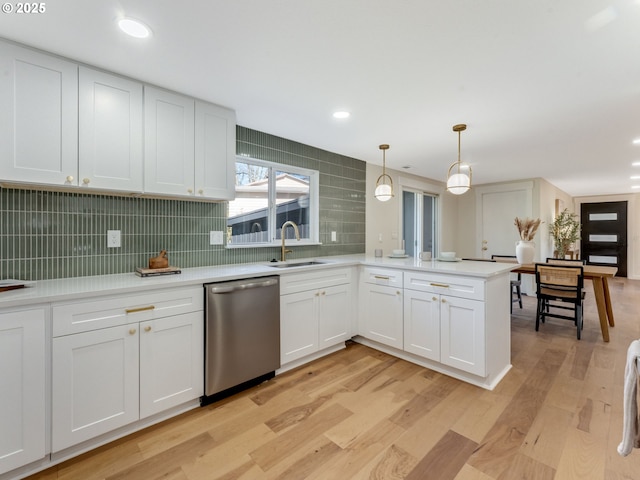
{"type": "Point", "coordinates": [381, 306]}
{"type": "Point", "coordinates": [95, 384]}
{"type": "Point", "coordinates": [23, 382]}
{"type": "Point", "coordinates": [462, 334]}
{"type": "Point", "coordinates": [171, 362]}
{"type": "Point", "coordinates": [444, 320]}
{"type": "Point", "coordinates": [422, 324]}
{"type": "Point", "coordinates": [315, 312]}
{"type": "Point", "coordinates": [106, 378]}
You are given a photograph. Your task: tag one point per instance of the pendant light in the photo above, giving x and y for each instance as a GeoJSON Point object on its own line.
{"type": "Point", "coordinates": [384, 190]}
{"type": "Point", "coordinates": [459, 182]}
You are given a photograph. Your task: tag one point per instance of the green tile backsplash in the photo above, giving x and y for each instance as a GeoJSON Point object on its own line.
{"type": "Point", "coordinates": [46, 235]}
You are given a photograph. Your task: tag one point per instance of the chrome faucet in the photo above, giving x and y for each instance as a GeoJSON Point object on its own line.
{"type": "Point", "coordinates": [283, 257]}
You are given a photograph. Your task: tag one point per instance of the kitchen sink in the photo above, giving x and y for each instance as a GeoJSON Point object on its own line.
{"type": "Point", "coordinates": [295, 264]}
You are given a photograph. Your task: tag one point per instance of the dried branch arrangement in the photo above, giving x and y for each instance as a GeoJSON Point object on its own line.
{"type": "Point", "coordinates": [527, 228]}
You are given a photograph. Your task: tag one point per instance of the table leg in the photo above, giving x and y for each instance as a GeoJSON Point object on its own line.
{"type": "Point", "coordinates": [598, 290]}
{"type": "Point", "coordinates": [607, 299]}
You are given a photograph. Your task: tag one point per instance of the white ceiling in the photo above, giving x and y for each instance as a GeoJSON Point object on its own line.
{"type": "Point", "coordinates": [547, 88]}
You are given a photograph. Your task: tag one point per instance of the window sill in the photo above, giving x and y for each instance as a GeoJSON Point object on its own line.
{"type": "Point", "coordinates": [290, 243]}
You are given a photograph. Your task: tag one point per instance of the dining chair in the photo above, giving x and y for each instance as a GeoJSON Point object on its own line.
{"type": "Point", "coordinates": [557, 286]}
{"type": "Point", "coordinates": [516, 284]}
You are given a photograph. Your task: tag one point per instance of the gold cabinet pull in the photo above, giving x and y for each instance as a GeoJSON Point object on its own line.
{"type": "Point", "coordinates": [444, 285]}
{"type": "Point", "coordinates": [147, 328]}
{"type": "Point", "coordinates": [381, 277]}
{"type": "Point", "coordinates": [139, 309]}
{"type": "Point", "coordinates": [69, 178]}
{"type": "Point", "coordinates": [86, 181]}
{"type": "Point", "coordinates": [132, 331]}
{"type": "Point", "coordinates": [435, 299]}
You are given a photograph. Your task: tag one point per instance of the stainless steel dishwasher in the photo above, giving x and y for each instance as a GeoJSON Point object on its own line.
{"type": "Point", "coordinates": [242, 335]}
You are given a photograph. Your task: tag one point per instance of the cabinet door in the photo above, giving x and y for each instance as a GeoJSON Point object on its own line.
{"type": "Point", "coordinates": [95, 384]}
{"type": "Point", "coordinates": [110, 141]}
{"type": "Point", "coordinates": [22, 387]}
{"type": "Point", "coordinates": [215, 151]}
{"type": "Point", "coordinates": [171, 362]}
{"type": "Point", "coordinates": [298, 325]}
{"type": "Point", "coordinates": [422, 324]}
{"type": "Point", "coordinates": [168, 143]}
{"type": "Point", "coordinates": [334, 315]}
{"type": "Point", "coordinates": [463, 334]}
{"type": "Point", "coordinates": [38, 117]}
{"type": "Point", "coordinates": [381, 314]}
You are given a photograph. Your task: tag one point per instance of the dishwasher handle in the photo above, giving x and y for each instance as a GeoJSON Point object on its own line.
{"type": "Point", "coordinates": [242, 285]}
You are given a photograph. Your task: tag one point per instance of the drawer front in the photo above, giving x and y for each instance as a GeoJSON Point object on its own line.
{"type": "Point", "coordinates": [301, 282]}
{"type": "Point", "coordinates": [103, 312]}
{"type": "Point", "coordinates": [454, 285]}
{"type": "Point", "coordinates": [382, 276]}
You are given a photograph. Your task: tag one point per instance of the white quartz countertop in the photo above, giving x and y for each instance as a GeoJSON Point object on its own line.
{"type": "Point", "coordinates": [75, 288]}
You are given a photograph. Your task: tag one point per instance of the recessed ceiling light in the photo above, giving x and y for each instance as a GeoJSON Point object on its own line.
{"type": "Point", "coordinates": [635, 186]}
{"type": "Point", "coordinates": [635, 164]}
{"type": "Point", "coordinates": [133, 27]}
{"type": "Point", "coordinates": [634, 177]}
{"type": "Point", "coordinates": [636, 141]}
{"type": "Point", "coordinates": [341, 114]}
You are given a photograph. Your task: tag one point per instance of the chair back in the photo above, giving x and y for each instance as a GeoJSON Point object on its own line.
{"type": "Point", "coordinates": [562, 261]}
{"type": "Point", "coordinates": [565, 278]}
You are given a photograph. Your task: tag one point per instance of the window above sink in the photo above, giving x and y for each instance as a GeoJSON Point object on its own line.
{"type": "Point", "coordinates": [268, 195]}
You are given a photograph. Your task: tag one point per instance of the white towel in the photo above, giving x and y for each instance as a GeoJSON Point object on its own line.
{"type": "Point", "coordinates": [630, 433]}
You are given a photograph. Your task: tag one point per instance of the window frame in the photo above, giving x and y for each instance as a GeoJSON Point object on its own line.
{"type": "Point", "coordinates": [314, 203]}
{"type": "Point", "coordinates": [424, 188]}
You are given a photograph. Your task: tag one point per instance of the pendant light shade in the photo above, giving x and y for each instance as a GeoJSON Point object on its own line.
{"type": "Point", "coordinates": [384, 190]}
{"type": "Point", "coordinates": [459, 174]}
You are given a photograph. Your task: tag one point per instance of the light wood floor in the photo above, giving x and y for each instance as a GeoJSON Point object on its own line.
{"type": "Point", "coordinates": [363, 414]}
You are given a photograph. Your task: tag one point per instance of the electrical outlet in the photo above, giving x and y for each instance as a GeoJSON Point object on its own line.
{"type": "Point", "coordinates": [113, 238]}
{"type": "Point", "coordinates": [216, 238]}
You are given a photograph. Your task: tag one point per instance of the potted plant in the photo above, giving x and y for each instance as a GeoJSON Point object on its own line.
{"type": "Point", "coordinates": [525, 248]}
{"type": "Point", "coordinates": [565, 231]}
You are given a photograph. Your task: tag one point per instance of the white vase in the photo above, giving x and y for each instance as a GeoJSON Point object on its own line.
{"type": "Point", "coordinates": [525, 251]}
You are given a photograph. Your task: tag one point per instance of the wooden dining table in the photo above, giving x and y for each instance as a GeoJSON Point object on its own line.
{"type": "Point", "coordinates": [598, 275]}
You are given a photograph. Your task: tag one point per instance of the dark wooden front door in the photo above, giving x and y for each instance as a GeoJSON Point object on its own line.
{"type": "Point", "coordinates": [604, 234]}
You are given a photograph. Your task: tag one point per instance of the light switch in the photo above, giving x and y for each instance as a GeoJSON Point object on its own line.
{"type": "Point", "coordinates": [113, 238]}
{"type": "Point", "coordinates": [334, 237]}
{"type": "Point", "coordinates": [216, 238]}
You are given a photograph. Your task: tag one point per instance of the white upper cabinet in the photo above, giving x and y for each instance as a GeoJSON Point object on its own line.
{"type": "Point", "coordinates": [169, 143]}
{"type": "Point", "coordinates": [215, 151]}
{"type": "Point", "coordinates": [62, 125]}
{"type": "Point", "coordinates": [189, 147]}
{"type": "Point", "coordinates": [38, 117]}
{"type": "Point", "coordinates": [110, 142]}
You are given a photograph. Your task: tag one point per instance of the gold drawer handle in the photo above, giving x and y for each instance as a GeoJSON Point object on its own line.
{"type": "Point", "coordinates": [439, 285]}
{"type": "Point", "coordinates": [132, 331]}
{"type": "Point", "coordinates": [140, 309]}
{"type": "Point", "coordinates": [381, 277]}
{"type": "Point", "coordinates": [147, 328]}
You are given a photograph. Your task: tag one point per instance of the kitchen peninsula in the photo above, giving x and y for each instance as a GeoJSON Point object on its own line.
{"type": "Point", "coordinates": [452, 317]}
